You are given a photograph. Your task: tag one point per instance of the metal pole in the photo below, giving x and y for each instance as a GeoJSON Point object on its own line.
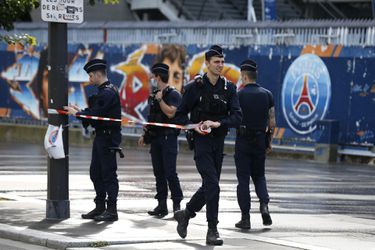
{"type": "Point", "coordinates": [58, 204]}
{"type": "Point", "coordinates": [250, 11]}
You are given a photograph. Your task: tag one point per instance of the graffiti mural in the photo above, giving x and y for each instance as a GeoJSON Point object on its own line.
{"type": "Point", "coordinates": [309, 83]}
{"type": "Point", "coordinates": [19, 77]}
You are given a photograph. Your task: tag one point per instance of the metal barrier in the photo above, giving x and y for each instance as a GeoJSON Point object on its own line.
{"type": "Point", "coordinates": [234, 33]}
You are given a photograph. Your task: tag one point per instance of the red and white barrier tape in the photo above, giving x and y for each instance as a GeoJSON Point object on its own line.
{"type": "Point", "coordinates": [167, 125]}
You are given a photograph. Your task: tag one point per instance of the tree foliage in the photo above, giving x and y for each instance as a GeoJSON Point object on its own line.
{"type": "Point", "coordinates": [14, 10]}
{"type": "Point", "coordinates": [17, 10]}
{"type": "Point", "coordinates": [92, 2]}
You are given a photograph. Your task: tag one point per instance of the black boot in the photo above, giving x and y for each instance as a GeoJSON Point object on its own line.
{"type": "Point", "coordinates": [265, 214]}
{"type": "Point", "coordinates": [176, 206]}
{"type": "Point", "coordinates": [244, 223]}
{"type": "Point", "coordinates": [160, 210]}
{"type": "Point", "coordinates": [182, 217]}
{"type": "Point", "coordinates": [213, 237]}
{"type": "Point", "coordinates": [99, 209]}
{"type": "Point", "coordinates": [110, 214]}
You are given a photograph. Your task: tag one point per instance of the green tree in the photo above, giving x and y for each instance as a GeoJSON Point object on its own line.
{"type": "Point", "coordinates": [18, 10]}
{"type": "Point", "coordinates": [14, 10]}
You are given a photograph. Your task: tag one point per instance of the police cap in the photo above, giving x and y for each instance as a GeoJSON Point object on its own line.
{"type": "Point", "coordinates": [249, 65]}
{"type": "Point", "coordinates": [160, 68]}
{"type": "Point", "coordinates": [94, 65]}
{"type": "Point", "coordinates": [215, 50]}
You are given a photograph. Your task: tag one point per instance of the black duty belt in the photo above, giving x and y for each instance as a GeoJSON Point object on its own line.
{"type": "Point", "coordinates": [106, 131]}
{"type": "Point", "coordinates": [250, 132]}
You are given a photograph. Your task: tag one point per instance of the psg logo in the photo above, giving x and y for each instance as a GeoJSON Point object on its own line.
{"type": "Point", "coordinates": [306, 93]}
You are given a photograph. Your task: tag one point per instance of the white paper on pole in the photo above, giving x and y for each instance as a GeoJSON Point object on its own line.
{"type": "Point", "coordinates": [53, 142]}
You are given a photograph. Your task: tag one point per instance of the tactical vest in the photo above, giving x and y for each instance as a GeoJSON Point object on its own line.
{"type": "Point", "coordinates": [156, 114]}
{"type": "Point", "coordinates": [211, 105]}
{"type": "Point", "coordinates": [114, 112]}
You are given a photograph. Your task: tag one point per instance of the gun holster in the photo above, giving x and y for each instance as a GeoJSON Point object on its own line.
{"type": "Point", "coordinates": [190, 138]}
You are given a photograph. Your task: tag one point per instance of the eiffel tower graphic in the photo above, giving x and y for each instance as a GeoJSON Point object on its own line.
{"type": "Point", "coordinates": [304, 97]}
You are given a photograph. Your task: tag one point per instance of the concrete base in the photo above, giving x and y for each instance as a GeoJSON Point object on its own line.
{"type": "Point", "coordinates": [325, 153]}
{"type": "Point", "coordinates": [57, 209]}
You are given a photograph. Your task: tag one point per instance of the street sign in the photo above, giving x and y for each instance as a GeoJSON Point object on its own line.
{"type": "Point", "coordinates": [62, 11]}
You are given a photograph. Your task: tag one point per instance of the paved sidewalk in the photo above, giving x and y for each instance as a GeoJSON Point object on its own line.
{"type": "Point", "coordinates": [23, 219]}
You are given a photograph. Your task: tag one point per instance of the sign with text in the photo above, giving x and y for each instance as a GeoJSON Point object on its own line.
{"type": "Point", "coordinates": [62, 11]}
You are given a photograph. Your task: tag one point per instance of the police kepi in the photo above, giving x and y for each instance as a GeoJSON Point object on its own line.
{"type": "Point", "coordinates": [95, 65]}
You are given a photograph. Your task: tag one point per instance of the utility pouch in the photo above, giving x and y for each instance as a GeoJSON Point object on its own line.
{"type": "Point", "coordinates": [190, 138]}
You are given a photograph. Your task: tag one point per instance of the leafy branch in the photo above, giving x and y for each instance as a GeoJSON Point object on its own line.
{"type": "Point", "coordinates": [18, 10]}
{"type": "Point", "coordinates": [24, 39]}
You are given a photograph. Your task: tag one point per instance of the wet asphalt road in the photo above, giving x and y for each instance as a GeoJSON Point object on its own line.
{"type": "Point", "coordinates": [295, 186]}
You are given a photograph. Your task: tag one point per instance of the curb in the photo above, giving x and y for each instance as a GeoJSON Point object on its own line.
{"type": "Point", "coordinates": [55, 241]}
{"type": "Point", "coordinates": [35, 237]}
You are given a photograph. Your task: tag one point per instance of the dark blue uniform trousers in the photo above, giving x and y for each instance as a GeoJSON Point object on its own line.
{"type": "Point", "coordinates": [250, 155]}
{"type": "Point", "coordinates": [164, 155]}
{"type": "Point", "coordinates": [208, 156]}
{"type": "Point", "coordinates": [104, 166]}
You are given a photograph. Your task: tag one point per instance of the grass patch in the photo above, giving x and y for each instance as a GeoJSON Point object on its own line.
{"type": "Point", "coordinates": [4, 199]}
{"type": "Point", "coordinates": [99, 244]}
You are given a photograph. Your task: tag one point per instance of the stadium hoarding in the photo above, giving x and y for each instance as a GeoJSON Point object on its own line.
{"type": "Point", "coordinates": [309, 83]}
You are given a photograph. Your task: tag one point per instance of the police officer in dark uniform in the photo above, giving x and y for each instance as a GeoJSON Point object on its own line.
{"type": "Point", "coordinates": [106, 103]}
{"type": "Point", "coordinates": [253, 140]}
{"type": "Point", "coordinates": [163, 105]}
{"type": "Point", "coordinates": [211, 101]}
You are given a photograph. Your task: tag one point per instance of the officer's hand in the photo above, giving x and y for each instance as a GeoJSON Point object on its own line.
{"type": "Point", "coordinates": [198, 129]}
{"type": "Point", "coordinates": [212, 124]}
{"type": "Point", "coordinates": [158, 95]}
{"type": "Point", "coordinates": [70, 110]}
{"type": "Point", "coordinates": [141, 141]}
{"type": "Point", "coordinates": [75, 107]}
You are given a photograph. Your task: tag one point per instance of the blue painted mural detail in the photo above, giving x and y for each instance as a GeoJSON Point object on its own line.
{"type": "Point", "coordinates": [19, 77]}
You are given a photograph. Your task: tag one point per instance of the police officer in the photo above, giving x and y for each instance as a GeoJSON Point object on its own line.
{"type": "Point", "coordinates": [212, 102]}
{"type": "Point", "coordinates": [253, 139]}
{"type": "Point", "coordinates": [163, 105]}
{"type": "Point", "coordinates": [107, 140]}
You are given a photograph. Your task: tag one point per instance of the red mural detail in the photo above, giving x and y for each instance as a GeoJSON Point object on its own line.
{"type": "Point", "coordinates": [305, 96]}
{"type": "Point", "coordinates": [134, 89]}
